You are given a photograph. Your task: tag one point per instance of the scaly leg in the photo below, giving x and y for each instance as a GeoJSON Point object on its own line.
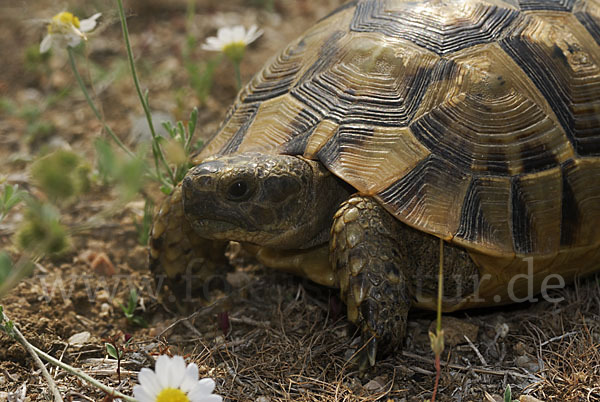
{"type": "Point", "coordinates": [381, 264]}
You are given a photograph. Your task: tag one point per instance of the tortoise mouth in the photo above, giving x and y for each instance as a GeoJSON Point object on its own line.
{"type": "Point", "coordinates": [212, 228]}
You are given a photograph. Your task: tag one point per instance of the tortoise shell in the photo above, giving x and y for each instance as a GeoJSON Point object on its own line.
{"type": "Point", "coordinates": [477, 121]}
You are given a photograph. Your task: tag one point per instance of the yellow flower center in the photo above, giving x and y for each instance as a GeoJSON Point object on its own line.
{"type": "Point", "coordinates": [63, 20]}
{"type": "Point", "coordinates": [235, 51]}
{"type": "Point", "coordinates": [172, 395]}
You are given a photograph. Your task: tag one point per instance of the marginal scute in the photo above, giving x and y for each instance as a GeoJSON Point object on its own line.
{"type": "Point", "coordinates": [554, 5]}
{"type": "Point", "coordinates": [483, 222]}
{"type": "Point", "coordinates": [284, 70]}
{"type": "Point", "coordinates": [277, 76]}
{"type": "Point", "coordinates": [536, 210]}
{"type": "Point", "coordinates": [581, 203]}
{"type": "Point", "coordinates": [232, 132]}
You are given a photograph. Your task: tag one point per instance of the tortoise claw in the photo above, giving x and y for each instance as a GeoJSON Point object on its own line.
{"type": "Point", "coordinates": [371, 351]}
{"type": "Point", "coordinates": [365, 358]}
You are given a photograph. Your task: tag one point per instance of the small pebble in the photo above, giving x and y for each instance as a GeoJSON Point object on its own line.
{"type": "Point", "coordinates": [527, 398]}
{"type": "Point", "coordinates": [79, 339]}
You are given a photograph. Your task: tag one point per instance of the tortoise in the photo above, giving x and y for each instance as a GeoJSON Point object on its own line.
{"type": "Point", "coordinates": [393, 126]}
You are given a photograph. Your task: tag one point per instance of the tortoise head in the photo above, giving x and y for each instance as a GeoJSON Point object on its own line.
{"type": "Point", "coordinates": [278, 201]}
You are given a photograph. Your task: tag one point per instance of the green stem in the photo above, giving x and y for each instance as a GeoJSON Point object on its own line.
{"type": "Point", "coordinates": [438, 370]}
{"type": "Point", "coordinates": [92, 105]}
{"type": "Point", "coordinates": [156, 150]}
{"type": "Point", "coordinates": [440, 288]}
{"type": "Point", "coordinates": [238, 75]}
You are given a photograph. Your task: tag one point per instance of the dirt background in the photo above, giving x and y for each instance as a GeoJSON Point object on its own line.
{"type": "Point", "coordinates": [263, 336]}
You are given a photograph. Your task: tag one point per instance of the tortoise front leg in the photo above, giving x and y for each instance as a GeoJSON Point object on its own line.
{"type": "Point", "coordinates": [178, 254]}
{"type": "Point", "coordinates": [371, 274]}
{"type": "Point", "coordinates": [382, 266]}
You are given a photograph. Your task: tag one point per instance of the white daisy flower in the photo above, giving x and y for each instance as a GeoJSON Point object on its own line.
{"type": "Point", "coordinates": [65, 29]}
{"type": "Point", "coordinates": [172, 381]}
{"type": "Point", "coordinates": [236, 36]}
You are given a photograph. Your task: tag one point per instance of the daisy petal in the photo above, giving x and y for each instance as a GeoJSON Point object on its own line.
{"type": "Point", "coordinates": [162, 370]}
{"type": "Point", "coordinates": [176, 371]}
{"type": "Point", "coordinates": [224, 35]}
{"type": "Point", "coordinates": [252, 34]}
{"type": "Point", "coordinates": [142, 395]}
{"type": "Point", "coordinates": [212, 43]}
{"type": "Point", "coordinates": [73, 40]}
{"type": "Point", "coordinates": [207, 398]}
{"type": "Point", "coordinates": [190, 379]}
{"type": "Point", "coordinates": [200, 396]}
{"type": "Point", "coordinates": [89, 23]}
{"type": "Point", "coordinates": [238, 33]}
{"type": "Point", "coordinates": [147, 379]}
{"type": "Point", "coordinates": [204, 386]}
{"type": "Point", "coordinates": [46, 43]}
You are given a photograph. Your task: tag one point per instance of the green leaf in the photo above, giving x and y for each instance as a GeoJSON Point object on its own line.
{"type": "Point", "coordinates": [168, 126]}
{"type": "Point", "coordinates": [11, 196]}
{"type": "Point", "coordinates": [198, 145]}
{"type": "Point", "coordinates": [131, 304]}
{"type": "Point", "coordinates": [129, 310]}
{"type": "Point", "coordinates": [132, 177]}
{"type": "Point", "coordinates": [507, 394]}
{"type": "Point", "coordinates": [5, 267]}
{"type": "Point", "coordinates": [41, 231]}
{"type": "Point", "coordinates": [7, 194]}
{"type": "Point", "coordinates": [9, 327]}
{"type": "Point", "coordinates": [139, 321]}
{"type": "Point", "coordinates": [133, 299]}
{"type": "Point", "coordinates": [112, 351]}
{"type": "Point", "coordinates": [105, 160]}
{"type": "Point", "coordinates": [166, 189]}
{"type": "Point", "coordinates": [7, 105]}
{"type": "Point", "coordinates": [201, 78]}
{"type": "Point", "coordinates": [143, 227]}
{"type": "Point", "coordinates": [6, 326]}
{"type": "Point", "coordinates": [191, 129]}
{"type": "Point", "coordinates": [61, 174]}
{"type": "Point", "coordinates": [181, 132]}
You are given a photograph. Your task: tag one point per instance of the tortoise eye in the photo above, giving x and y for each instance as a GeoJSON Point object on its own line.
{"type": "Point", "coordinates": [239, 190]}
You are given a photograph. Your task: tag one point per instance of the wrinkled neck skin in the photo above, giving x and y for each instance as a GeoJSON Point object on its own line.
{"type": "Point", "coordinates": [279, 202]}
{"type": "Point", "coordinates": [322, 198]}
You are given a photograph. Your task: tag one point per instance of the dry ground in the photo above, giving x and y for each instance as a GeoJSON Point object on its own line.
{"type": "Point", "coordinates": [287, 338]}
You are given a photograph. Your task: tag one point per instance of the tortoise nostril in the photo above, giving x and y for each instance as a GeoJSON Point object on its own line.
{"type": "Point", "coordinates": [197, 183]}
{"type": "Point", "coordinates": [188, 183]}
